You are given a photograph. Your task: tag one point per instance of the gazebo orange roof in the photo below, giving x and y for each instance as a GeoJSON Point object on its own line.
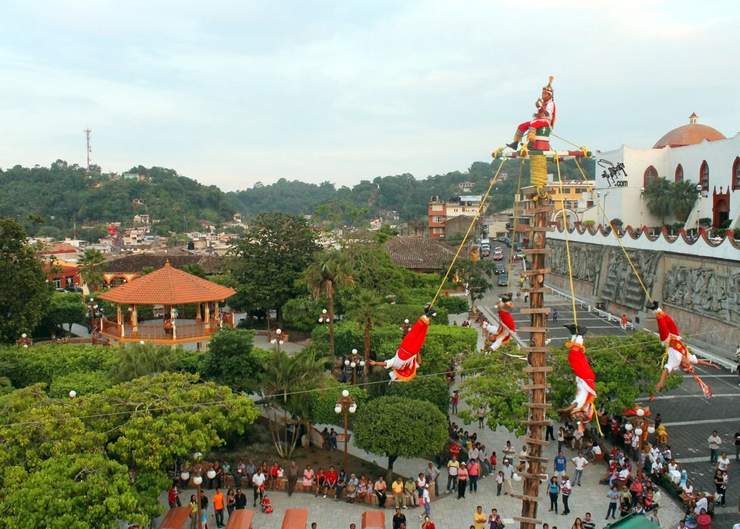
{"type": "Point", "coordinates": [167, 286]}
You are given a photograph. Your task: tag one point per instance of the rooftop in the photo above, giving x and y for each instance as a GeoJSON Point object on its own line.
{"type": "Point", "coordinates": [690, 134]}
{"type": "Point", "coordinates": [167, 286]}
{"type": "Point", "coordinates": [417, 253]}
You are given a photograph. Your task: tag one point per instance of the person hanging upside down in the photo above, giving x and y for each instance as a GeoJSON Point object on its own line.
{"type": "Point", "coordinates": [507, 325]}
{"type": "Point", "coordinates": [679, 356]}
{"type": "Point", "coordinates": [582, 407]}
{"type": "Point", "coordinates": [408, 356]}
{"type": "Point", "coordinates": [544, 117]}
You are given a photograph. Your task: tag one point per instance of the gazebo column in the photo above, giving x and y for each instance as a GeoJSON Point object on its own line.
{"type": "Point", "coordinates": [216, 313]}
{"type": "Point", "coordinates": [207, 316]}
{"type": "Point", "coordinates": [119, 320]}
{"type": "Point", "coordinates": [197, 311]}
{"type": "Point", "coordinates": [134, 319]}
{"type": "Point", "coordinates": [172, 319]}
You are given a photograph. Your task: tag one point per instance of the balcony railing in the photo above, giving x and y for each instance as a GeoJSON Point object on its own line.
{"type": "Point", "coordinates": [155, 331]}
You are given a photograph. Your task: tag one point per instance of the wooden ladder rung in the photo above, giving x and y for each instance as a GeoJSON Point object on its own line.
{"type": "Point", "coordinates": [540, 228]}
{"type": "Point", "coordinates": [536, 349]}
{"type": "Point", "coordinates": [535, 423]}
{"type": "Point", "coordinates": [532, 329]}
{"type": "Point", "coordinates": [527, 387]}
{"type": "Point", "coordinates": [534, 441]}
{"type": "Point", "coordinates": [538, 405]}
{"type": "Point", "coordinates": [534, 369]}
{"type": "Point", "coordinates": [544, 290]}
{"type": "Point", "coordinates": [543, 310]}
{"type": "Point", "coordinates": [534, 458]}
{"type": "Point", "coordinates": [528, 520]}
{"type": "Point", "coordinates": [534, 476]}
{"type": "Point", "coordinates": [535, 251]}
{"type": "Point", "coordinates": [533, 211]}
{"type": "Point", "coordinates": [536, 272]}
{"type": "Point", "coordinates": [525, 497]}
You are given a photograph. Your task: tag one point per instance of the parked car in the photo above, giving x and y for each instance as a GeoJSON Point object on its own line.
{"type": "Point", "coordinates": [503, 280]}
{"type": "Point", "coordinates": [499, 269]}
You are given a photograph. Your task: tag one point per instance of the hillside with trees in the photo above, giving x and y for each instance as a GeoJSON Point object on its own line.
{"type": "Point", "coordinates": [48, 201]}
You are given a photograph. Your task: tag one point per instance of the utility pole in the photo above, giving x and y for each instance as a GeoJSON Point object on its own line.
{"type": "Point", "coordinates": [88, 148]}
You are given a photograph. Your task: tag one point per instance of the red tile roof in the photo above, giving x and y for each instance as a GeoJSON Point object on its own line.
{"type": "Point", "coordinates": [417, 253]}
{"type": "Point", "coordinates": [167, 286]}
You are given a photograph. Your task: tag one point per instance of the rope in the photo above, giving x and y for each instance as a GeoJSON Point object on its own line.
{"type": "Point", "coordinates": [470, 228]}
{"type": "Point", "coordinates": [567, 242]}
{"type": "Point", "coordinates": [619, 241]}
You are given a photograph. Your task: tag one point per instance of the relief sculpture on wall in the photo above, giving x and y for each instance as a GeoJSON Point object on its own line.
{"type": "Point", "coordinates": [704, 291]}
{"type": "Point", "coordinates": [585, 259]}
{"type": "Point", "coordinates": [621, 285]}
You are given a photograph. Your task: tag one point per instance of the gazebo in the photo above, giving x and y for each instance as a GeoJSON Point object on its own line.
{"type": "Point", "coordinates": [162, 295]}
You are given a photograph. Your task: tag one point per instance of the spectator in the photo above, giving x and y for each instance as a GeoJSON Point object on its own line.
{"type": "Point", "coordinates": [331, 479]}
{"type": "Point", "coordinates": [320, 482]}
{"type": "Point", "coordinates": [720, 484]}
{"type": "Point", "coordinates": [454, 401]}
{"type": "Point", "coordinates": [495, 522]}
{"type": "Point", "coordinates": [613, 496]}
{"type": "Point", "coordinates": [553, 490]}
{"type": "Point", "coordinates": [479, 518]}
{"type": "Point", "coordinates": [341, 485]}
{"type": "Point", "coordinates": [453, 467]}
{"type": "Point", "coordinates": [723, 462]}
{"type": "Point", "coordinates": [508, 475]}
{"type": "Point", "coordinates": [560, 463]}
{"type": "Point", "coordinates": [258, 484]}
{"type": "Point", "coordinates": [577, 442]}
{"type": "Point", "coordinates": [473, 474]}
{"type": "Point", "coordinates": [580, 462]}
{"type": "Point", "coordinates": [410, 492]}
{"type": "Point", "coordinates": [218, 507]}
{"type": "Point", "coordinates": [481, 415]}
{"type": "Point", "coordinates": [588, 523]}
{"type": "Point", "coordinates": [703, 520]}
{"type": "Point", "coordinates": [714, 441]}
{"type": "Point", "coordinates": [173, 499]}
{"type": "Point", "coordinates": [462, 481]}
{"type": "Point", "coordinates": [492, 460]}
{"type": "Point", "coordinates": [427, 523]}
{"type": "Point", "coordinates": [549, 432]}
{"type": "Point", "coordinates": [561, 438]}
{"type": "Point", "coordinates": [380, 489]}
{"type": "Point", "coordinates": [397, 488]}
{"type": "Point", "coordinates": [577, 524]}
{"type": "Point", "coordinates": [398, 519]}
{"type": "Point", "coordinates": [431, 473]}
{"type": "Point", "coordinates": [352, 486]}
{"type": "Point", "coordinates": [363, 487]}
{"type": "Point", "coordinates": [426, 501]}
{"type": "Point", "coordinates": [737, 438]}
{"type": "Point", "coordinates": [230, 501]}
{"type": "Point", "coordinates": [565, 490]}
{"type": "Point", "coordinates": [204, 511]}
{"type": "Point", "coordinates": [240, 499]}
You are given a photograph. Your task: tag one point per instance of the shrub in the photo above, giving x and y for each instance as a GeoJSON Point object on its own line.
{"type": "Point", "coordinates": [431, 389]}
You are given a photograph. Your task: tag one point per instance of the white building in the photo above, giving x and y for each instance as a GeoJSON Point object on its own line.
{"type": "Point", "coordinates": [693, 152]}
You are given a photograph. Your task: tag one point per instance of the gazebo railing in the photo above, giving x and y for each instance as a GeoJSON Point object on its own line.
{"type": "Point", "coordinates": [155, 330]}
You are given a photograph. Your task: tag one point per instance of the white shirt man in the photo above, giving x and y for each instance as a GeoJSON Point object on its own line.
{"type": "Point", "coordinates": [474, 453]}
{"type": "Point", "coordinates": [723, 462]}
{"type": "Point", "coordinates": [580, 462]}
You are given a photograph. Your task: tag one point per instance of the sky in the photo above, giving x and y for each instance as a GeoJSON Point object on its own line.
{"type": "Point", "coordinates": [237, 92]}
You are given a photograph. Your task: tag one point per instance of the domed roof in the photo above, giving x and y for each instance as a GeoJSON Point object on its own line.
{"type": "Point", "coordinates": [690, 134]}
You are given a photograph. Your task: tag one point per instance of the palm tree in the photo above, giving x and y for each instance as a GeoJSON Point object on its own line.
{"type": "Point", "coordinates": [90, 268]}
{"type": "Point", "coordinates": [328, 271]}
{"type": "Point", "coordinates": [285, 374]}
{"type": "Point", "coordinates": [658, 197]}
{"type": "Point", "coordinates": [683, 196]}
{"type": "Point", "coordinates": [364, 308]}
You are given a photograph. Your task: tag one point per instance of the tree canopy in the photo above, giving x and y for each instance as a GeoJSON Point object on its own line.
{"type": "Point", "coordinates": [232, 360]}
{"type": "Point", "coordinates": [24, 294]}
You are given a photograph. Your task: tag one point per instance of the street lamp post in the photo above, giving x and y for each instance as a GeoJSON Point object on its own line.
{"type": "Point", "coordinates": [324, 318]}
{"type": "Point", "coordinates": [355, 363]}
{"type": "Point", "coordinates": [277, 339]}
{"type": "Point", "coordinates": [345, 406]}
{"type": "Point", "coordinates": [406, 326]}
{"type": "Point", "coordinates": [198, 481]}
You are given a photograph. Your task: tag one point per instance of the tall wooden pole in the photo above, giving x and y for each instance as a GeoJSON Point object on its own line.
{"type": "Point", "coordinates": [537, 360]}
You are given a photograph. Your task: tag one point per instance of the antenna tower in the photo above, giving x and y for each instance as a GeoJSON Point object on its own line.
{"type": "Point", "coordinates": [88, 148]}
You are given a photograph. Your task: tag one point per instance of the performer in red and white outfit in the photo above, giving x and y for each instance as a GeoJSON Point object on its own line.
{"type": "Point", "coordinates": [679, 356]}
{"type": "Point", "coordinates": [408, 356]}
{"type": "Point", "coordinates": [582, 407]}
{"type": "Point", "coordinates": [507, 325]}
{"type": "Point", "coordinates": [544, 117]}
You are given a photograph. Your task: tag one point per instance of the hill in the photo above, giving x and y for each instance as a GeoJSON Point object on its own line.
{"type": "Point", "coordinates": [49, 200]}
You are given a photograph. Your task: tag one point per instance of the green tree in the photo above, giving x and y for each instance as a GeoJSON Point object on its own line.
{"type": "Point", "coordinates": [64, 308]}
{"type": "Point", "coordinates": [385, 233]}
{"type": "Point", "coordinates": [138, 360]}
{"type": "Point", "coordinates": [433, 389]}
{"type": "Point", "coordinates": [400, 427]}
{"type": "Point", "coordinates": [658, 197]}
{"type": "Point", "coordinates": [230, 360]}
{"type": "Point", "coordinates": [477, 275]}
{"type": "Point", "coordinates": [81, 491]}
{"type": "Point", "coordinates": [24, 293]}
{"type": "Point", "coordinates": [91, 268]}
{"type": "Point", "coordinates": [683, 198]}
{"type": "Point", "coordinates": [328, 271]}
{"type": "Point", "coordinates": [364, 309]}
{"type": "Point", "coordinates": [268, 259]}
{"type": "Point", "coordinates": [81, 382]}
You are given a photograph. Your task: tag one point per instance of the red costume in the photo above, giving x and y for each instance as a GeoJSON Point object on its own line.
{"type": "Point", "coordinates": [678, 355]}
{"type": "Point", "coordinates": [507, 326]}
{"type": "Point", "coordinates": [582, 407]}
{"type": "Point", "coordinates": [403, 365]}
{"type": "Point", "coordinates": [538, 129]}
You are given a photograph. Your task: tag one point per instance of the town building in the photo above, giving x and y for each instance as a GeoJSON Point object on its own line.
{"type": "Point", "coordinates": [419, 254]}
{"type": "Point", "coordinates": [439, 212]}
{"type": "Point", "coordinates": [694, 152]}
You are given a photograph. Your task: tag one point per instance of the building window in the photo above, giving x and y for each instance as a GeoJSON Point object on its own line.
{"type": "Point", "coordinates": [679, 173]}
{"type": "Point", "coordinates": [704, 176]}
{"type": "Point", "coordinates": [650, 174]}
{"type": "Point", "coordinates": [57, 283]}
{"type": "Point", "coordinates": [736, 174]}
